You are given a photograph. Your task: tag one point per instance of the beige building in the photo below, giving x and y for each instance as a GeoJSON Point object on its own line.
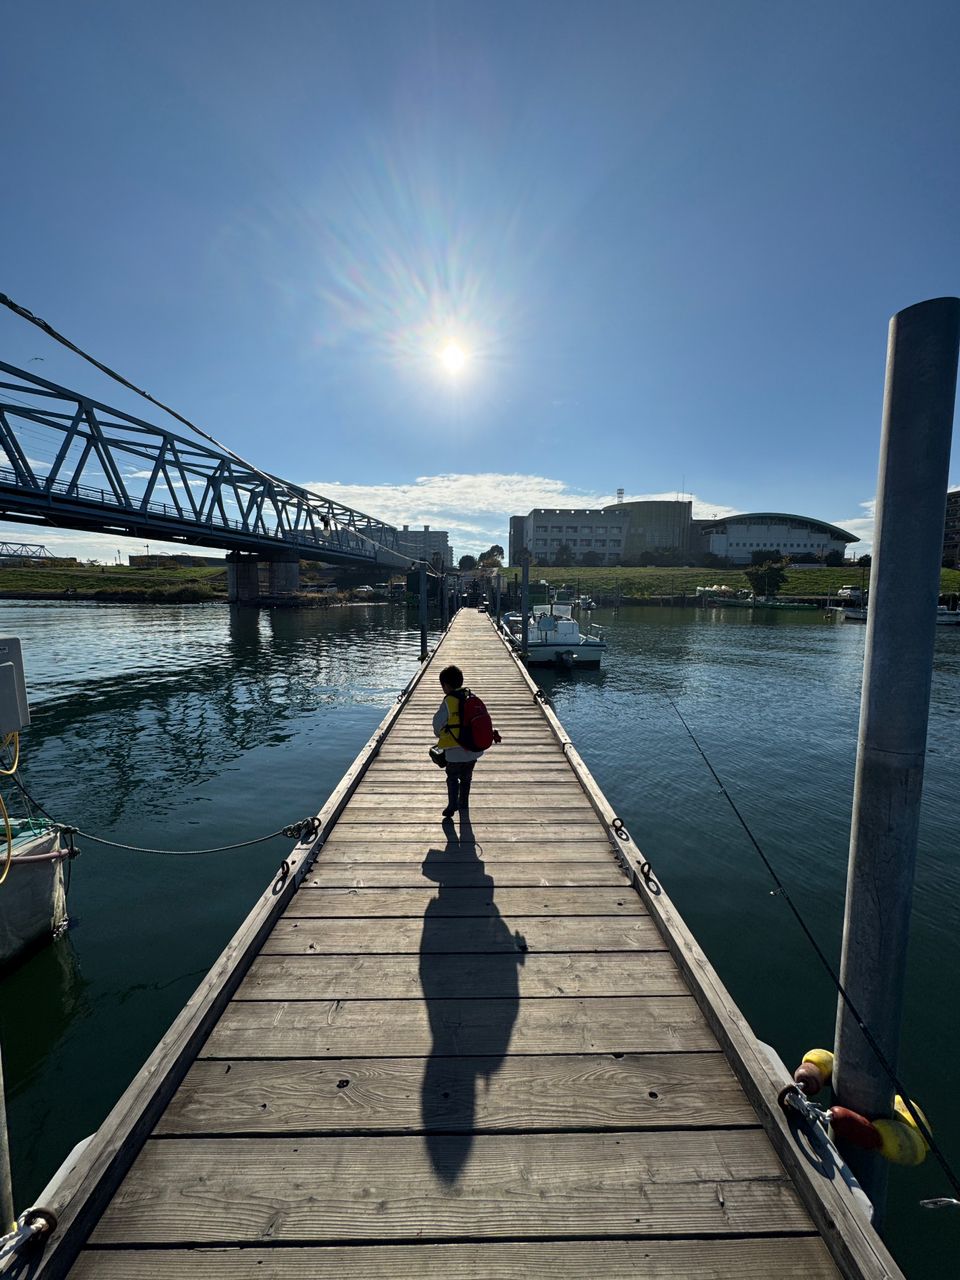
{"type": "Point", "coordinates": [609, 535]}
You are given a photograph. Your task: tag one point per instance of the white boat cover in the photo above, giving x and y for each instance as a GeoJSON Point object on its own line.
{"type": "Point", "coordinates": [33, 904]}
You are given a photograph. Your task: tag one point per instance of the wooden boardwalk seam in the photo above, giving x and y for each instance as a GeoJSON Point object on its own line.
{"type": "Point", "coordinates": [468, 1049]}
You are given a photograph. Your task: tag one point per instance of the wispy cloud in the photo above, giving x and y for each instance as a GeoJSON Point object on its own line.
{"type": "Point", "coordinates": [862, 526]}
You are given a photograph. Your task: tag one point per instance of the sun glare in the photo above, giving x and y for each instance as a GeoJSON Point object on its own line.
{"type": "Point", "coordinates": [453, 357]}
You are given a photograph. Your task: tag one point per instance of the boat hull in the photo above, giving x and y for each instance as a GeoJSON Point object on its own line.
{"type": "Point", "coordinates": [586, 654]}
{"type": "Point", "coordinates": [33, 904]}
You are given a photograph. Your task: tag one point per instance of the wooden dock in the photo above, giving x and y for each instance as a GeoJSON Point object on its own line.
{"type": "Point", "coordinates": [487, 1048]}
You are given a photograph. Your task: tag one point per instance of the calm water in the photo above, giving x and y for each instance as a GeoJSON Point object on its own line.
{"type": "Point", "coordinates": [194, 726]}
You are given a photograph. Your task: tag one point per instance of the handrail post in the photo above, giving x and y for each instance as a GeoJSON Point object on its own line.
{"type": "Point", "coordinates": [919, 395]}
{"type": "Point", "coordinates": [423, 610]}
{"type": "Point", "coordinates": [524, 601]}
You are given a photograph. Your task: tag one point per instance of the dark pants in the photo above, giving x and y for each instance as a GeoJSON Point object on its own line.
{"type": "Point", "coordinates": [458, 784]}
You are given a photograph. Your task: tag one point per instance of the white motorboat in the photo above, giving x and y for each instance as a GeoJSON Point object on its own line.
{"type": "Point", "coordinates": [555, 638]}
{"type": "Point", "coordinates": [858, 613]}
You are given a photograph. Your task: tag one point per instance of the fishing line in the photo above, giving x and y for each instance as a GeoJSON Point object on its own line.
{"type": "Point", "coordinates": [783, 892]}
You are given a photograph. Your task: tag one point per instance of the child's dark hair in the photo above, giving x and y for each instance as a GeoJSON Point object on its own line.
{"type": "Point", "coordinates": [452, 677]}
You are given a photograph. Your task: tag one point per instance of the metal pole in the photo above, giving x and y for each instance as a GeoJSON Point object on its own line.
{"type": "Point", "coordinates": [496, 592]}
{"type": "Point", "coordinates": [918, 405]}
{"type": "Point", "coordinates": [423, 610]}
{"type": "Point", "coordinates": [444, 602]}
{"type": "Point", "coordinates": [524, 601]}
{"type": "Point", "coordinates": [7, 1212]}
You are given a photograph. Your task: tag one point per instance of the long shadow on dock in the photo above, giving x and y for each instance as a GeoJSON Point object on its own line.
{"type": "Point", "coordinates": [469, 971]}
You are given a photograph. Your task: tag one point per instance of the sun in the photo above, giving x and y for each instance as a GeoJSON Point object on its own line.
{"type": "Point", "coordinates": [453, 357]}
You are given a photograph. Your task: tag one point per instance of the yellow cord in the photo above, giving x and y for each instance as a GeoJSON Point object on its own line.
{"type": "Point", "coordinates": [15, 739]}
{"type": "Point", "coordinates": [6, 823]}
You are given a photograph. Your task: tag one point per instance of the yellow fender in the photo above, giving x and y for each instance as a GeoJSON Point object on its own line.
{"type": "Point", "coordinates": [901, 1142]}
{"type": "Point", "coordinates": [822, 1059]}
{"type": "Point", "coordinates": [814, 1072]}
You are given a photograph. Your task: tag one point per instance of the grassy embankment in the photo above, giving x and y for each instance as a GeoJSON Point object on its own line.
{"type": "Point", "coordinates": [160, 584]}
{"type": "Point", "coordinates": [175, 583]}
{"type": "Point", "coordinates": [635, 584]}
{"type": "Point", "coordinates": [121, 583]}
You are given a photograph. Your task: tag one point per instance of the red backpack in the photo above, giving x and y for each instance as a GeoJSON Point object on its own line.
{"type": "Point", "coordinates": [476, 728]}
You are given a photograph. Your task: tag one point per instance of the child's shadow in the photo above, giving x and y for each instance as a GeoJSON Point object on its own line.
{"type": "Point", "coordinates": [469, 971]}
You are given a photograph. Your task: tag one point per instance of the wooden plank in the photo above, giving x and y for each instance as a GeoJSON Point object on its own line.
{"type": "Point", "coordinates": [424, 811]}
{"type": "Point", "coordinates": [461, 977]}
{"type": "Point", "coordinates": [392, 1095]}
{"type": "Point", "coordinates": [746, 1258]}
{"type": "Point", "coordinates": [510, 829]}
{"type": "Point", "coordinates": [457, 901]}
{"type": "Point", "coordinates": [507, 872]}
{"type": "Point", "coordinates": [569, 799]}
{"type": "Point", "coordinates": [297, 936]}
{"type": "Point", "coordinates": [486, 789]}
{"type": "Point", "coordinates": [710, 1182]}
{"type": "Point", "coordinates": [531, 773]}
{"type": "Point", "coordinates": [495, 852]}
{"type": "Point", "coordinates": [386, 1029]}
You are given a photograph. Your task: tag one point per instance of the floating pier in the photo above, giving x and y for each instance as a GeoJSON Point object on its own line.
{"type": "Point", "coordinates": [488, 1048]}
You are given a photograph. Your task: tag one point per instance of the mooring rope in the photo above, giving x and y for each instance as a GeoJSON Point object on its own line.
{"type": "Point", "coordinates": [308, 827]}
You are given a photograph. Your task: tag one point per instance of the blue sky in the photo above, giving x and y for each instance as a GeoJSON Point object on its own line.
{"type": "Point", "coordinates": [669, 237]}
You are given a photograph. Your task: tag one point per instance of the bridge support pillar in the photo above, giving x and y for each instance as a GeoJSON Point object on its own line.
{"type": "Point", "coordinates": [284, 575]}
{"type": "Point", "coordinates": [243, 578]}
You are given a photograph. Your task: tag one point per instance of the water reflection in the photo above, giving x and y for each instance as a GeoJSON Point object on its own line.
{"type": "Point", "coordinates": [147, 729]}
{"type": "Point", "coordinates": [49, 992]}
{"type": "Point", "coordinates": [480, 1024]}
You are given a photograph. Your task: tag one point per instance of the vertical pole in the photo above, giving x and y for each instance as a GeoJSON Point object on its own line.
{"type": "Point", "coordinates": [918, 404]}
{"type": "Point", "coordinates": [524, 601]}
{"type": "Point", "coordinates": [423, 610]}
{"type": "Point", "coordinates": [444, 602]}
{"type": "Point", "coordinates": [7, 1212]}
{"type": "Point", "coordinates": [496, 593]}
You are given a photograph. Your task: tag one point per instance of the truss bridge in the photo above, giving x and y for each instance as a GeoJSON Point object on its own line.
{"type": "Point", "coordinates": [72, 462]}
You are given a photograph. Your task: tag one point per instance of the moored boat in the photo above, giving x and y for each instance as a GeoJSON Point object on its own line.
{"type": "Point", "coordinates": [858, 613]}
{"type": "Point", "coordinates": [33, 900]}
{"type": "Point", "coordinates": [555, 638]}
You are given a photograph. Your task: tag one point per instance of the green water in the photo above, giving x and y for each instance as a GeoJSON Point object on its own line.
{"type": "Point", "coordinates": [192, 726]}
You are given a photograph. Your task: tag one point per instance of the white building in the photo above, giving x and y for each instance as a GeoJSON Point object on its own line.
{"type": "Point", "coordinates": [423, 544]}
{"type": "Point", "coordinates": [597, 534]}
{"type": "Point", "coordinates": [736, 538]}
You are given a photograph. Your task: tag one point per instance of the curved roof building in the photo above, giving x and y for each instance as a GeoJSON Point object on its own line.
{"type": "Point", "coordinates": [738, 537]}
